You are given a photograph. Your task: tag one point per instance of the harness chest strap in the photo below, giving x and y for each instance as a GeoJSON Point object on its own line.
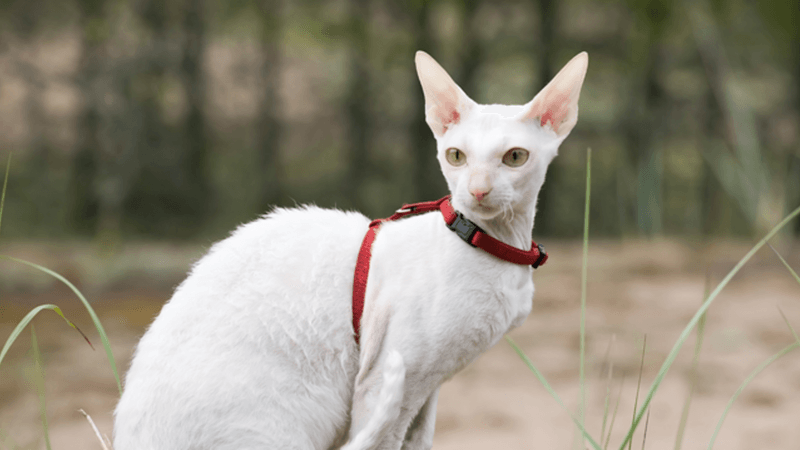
{"type": "Point", "coordinates": [463, 227]}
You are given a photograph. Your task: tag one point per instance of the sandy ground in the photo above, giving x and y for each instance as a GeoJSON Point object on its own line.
{"type": "Point", "coordinates": [635, 289]}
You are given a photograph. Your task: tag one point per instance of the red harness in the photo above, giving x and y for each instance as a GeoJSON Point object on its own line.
{"type": "Point", "coordinates": [466, 229]}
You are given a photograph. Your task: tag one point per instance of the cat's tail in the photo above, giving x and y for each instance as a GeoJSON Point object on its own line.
{"type": "Point", "coordinates": [387, 410]}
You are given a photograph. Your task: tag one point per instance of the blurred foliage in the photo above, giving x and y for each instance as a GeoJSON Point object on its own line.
{"type": "Point", "coordinates": [137, 119]}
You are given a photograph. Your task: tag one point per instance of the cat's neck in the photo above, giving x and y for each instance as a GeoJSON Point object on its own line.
{"type": "Point", "coordinates": [514, 230]}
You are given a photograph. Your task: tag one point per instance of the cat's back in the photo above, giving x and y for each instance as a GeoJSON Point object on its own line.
{"type": "Point", "coordinates": [299, 247]}
{"type": "Point", "coordinates": [267, 311]}
{"type": "Point", "coordinates": [292, 262]}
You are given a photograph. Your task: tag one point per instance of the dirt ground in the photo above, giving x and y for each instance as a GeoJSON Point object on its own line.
{"type": "Point", "coordinates": [635, 289]}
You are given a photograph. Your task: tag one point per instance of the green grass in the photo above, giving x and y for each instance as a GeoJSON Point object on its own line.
{"type": "Point", "coordinates": [789, 348]}
{"type": "Point", "coordinates": [614, 414]}
{"type": "Point", "coordinates": [607, 397]}
{"type": "Point", "coordinates": [698, 318]}
{"type": "Point", "coordinates": [96, 320]}
{"type": "Point", "coordinates": [27, 320]}
{"type": "Point", "coordinates": [39, 382]}
{"type": "Point", "coordinates": [785, 264]}
{"type": "Point", "coordinates": [39, 377]}
{"type": "Point", "coordinates": [701, 326]}
{"type": "Point", "coordinates": [552, 392]}
{"type": "Point", "coordinates": [638, 388]}
{"type": "Point", "coordinates": [5, 185]}
{"type": "Point", "coordinates": [744, 384]}
{"type": "Point", "coordinates": [584, 277]}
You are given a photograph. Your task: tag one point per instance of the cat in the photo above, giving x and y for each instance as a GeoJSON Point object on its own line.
{"type": "Point", "coordinates": [256, 348]}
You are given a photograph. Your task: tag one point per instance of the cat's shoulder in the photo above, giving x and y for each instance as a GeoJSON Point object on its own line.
{"type": "Point", "coordinates": [302, 217]}
{"type": "Point", "coordinates": [283, 231]}
{"type": "Point", "coordinates": [301, 223]}
{"type": "Point", "coordinates": [311, 213]}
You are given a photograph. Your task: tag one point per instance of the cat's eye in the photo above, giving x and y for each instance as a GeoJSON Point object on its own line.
{"type": "Point", "coordinates": [515, 157]}
{"type": "Point", "coordinates": [455, 156]}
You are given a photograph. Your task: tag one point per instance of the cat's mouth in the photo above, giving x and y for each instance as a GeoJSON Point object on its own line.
{"type": "Point", "coordinates": [485, 211]}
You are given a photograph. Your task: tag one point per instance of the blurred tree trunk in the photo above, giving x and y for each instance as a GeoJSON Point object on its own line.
{"type": "Point", "coordinates": [169, 197]}
{"type": "Point", "coordinates": [153, 205]}
{"type": "Point", "coordinates": [102, 167]}
{"type": "Point", "coordinates": [85, 201]}
{"type": "Point", "coordinates": [547, 36]}
{"type": "Point", "coordinates": [641, 139]}
{"type": "Point", "coordinates": [38, 170]}
{"type": "Point", "coordinates": [195, 133]}
{"type": "Point", "coordinates": [357, 105]}
{"type": "Point", "coordinates": [428, 182]}
{"type": "Point", "coordinates": [269, 125]}
{"type": "Point", "coordinates": [472, 51]}
{"type": "Point", "coordinates": [546, 222]}
{"type": "Point", "coordinates": [713, 198]}
{"type": "Point", "coordinates": [644, 115]}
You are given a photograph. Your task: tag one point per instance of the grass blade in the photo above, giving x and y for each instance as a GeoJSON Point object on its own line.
{"type": "Point", "coordinates": [550, 390]}
{"type": "Point", "coordinates": [794, 333]}
{"type": "Point", "coordinates": [94, 428]}
{"type": "Point", "coordinates": [608, 387]}
{"type": "Point", "coordinates": [696, 318]}
{"type": "Point", "coordinates": [646, 424]}
{"type": "Point", "coordinates": [638, 386]}
{"type": "Point", "coordinates": [614, 415]}
{"type": "Point", "coordinates": [794, 274]}
{"type": "Point", "coordinates": [100, 330]}
{"type": "Point", "coordinates": [39, 382]}
{"type": "Point", "coordinates": [701, 326]}
{"type": "Point", "coordinates": [744, 384]}
{"type": "Point", "coordinates": [5, 185]}
{"type": "Point", "coordinates": [584, 276]}
{"type": "Point", "coordinates": [26, 320]}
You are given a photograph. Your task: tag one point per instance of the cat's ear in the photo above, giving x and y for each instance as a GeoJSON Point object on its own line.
{"type": "Point", "coordinates": [445, 103]}
{"type": "Point", "coordinates": [557, 103]}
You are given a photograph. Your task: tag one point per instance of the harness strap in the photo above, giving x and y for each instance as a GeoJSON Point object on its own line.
{"type": "Point", "coordinates": [360, 280]}
{"type": "Point", "coordinates": [463, 227]}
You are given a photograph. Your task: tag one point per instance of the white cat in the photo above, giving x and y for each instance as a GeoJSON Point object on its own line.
{"type": "Point", "coordinates": [256, 349]}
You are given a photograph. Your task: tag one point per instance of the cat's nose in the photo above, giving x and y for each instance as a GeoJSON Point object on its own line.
{"type": "Point", "coordinates": [480, 195]}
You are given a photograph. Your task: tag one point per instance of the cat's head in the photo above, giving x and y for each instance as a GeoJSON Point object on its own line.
{"type": "Point", "coordinates": [494, 157]}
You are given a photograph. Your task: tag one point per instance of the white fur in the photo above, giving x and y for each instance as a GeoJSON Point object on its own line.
{"type": "Point", "coordinates": [256, 351]}
{"type": "Point", "coordinates": [388, 407]}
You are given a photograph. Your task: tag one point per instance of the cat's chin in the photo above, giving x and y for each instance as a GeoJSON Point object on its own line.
{"type": "Point", "coordinates": [485, 212]}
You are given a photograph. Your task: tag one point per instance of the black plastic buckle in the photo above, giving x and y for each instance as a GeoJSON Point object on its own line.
{"type": "Point", "coordinates": [464, 228]}
{"type": "Point", "coordinates": [542, 256]}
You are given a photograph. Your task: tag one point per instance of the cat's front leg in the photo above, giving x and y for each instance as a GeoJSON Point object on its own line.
{"type": "Point", "coordinates": [420, 434]}
{"type": "Point", "coordinates": [377, 405]}
{"type": "Point", "coordinates": [389, 408]}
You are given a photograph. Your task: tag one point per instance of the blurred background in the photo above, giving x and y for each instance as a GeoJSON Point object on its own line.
{"type": "Point", "coordinates": [141, 131]}
{"type": "Point", "coordinates": [143, 119]}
